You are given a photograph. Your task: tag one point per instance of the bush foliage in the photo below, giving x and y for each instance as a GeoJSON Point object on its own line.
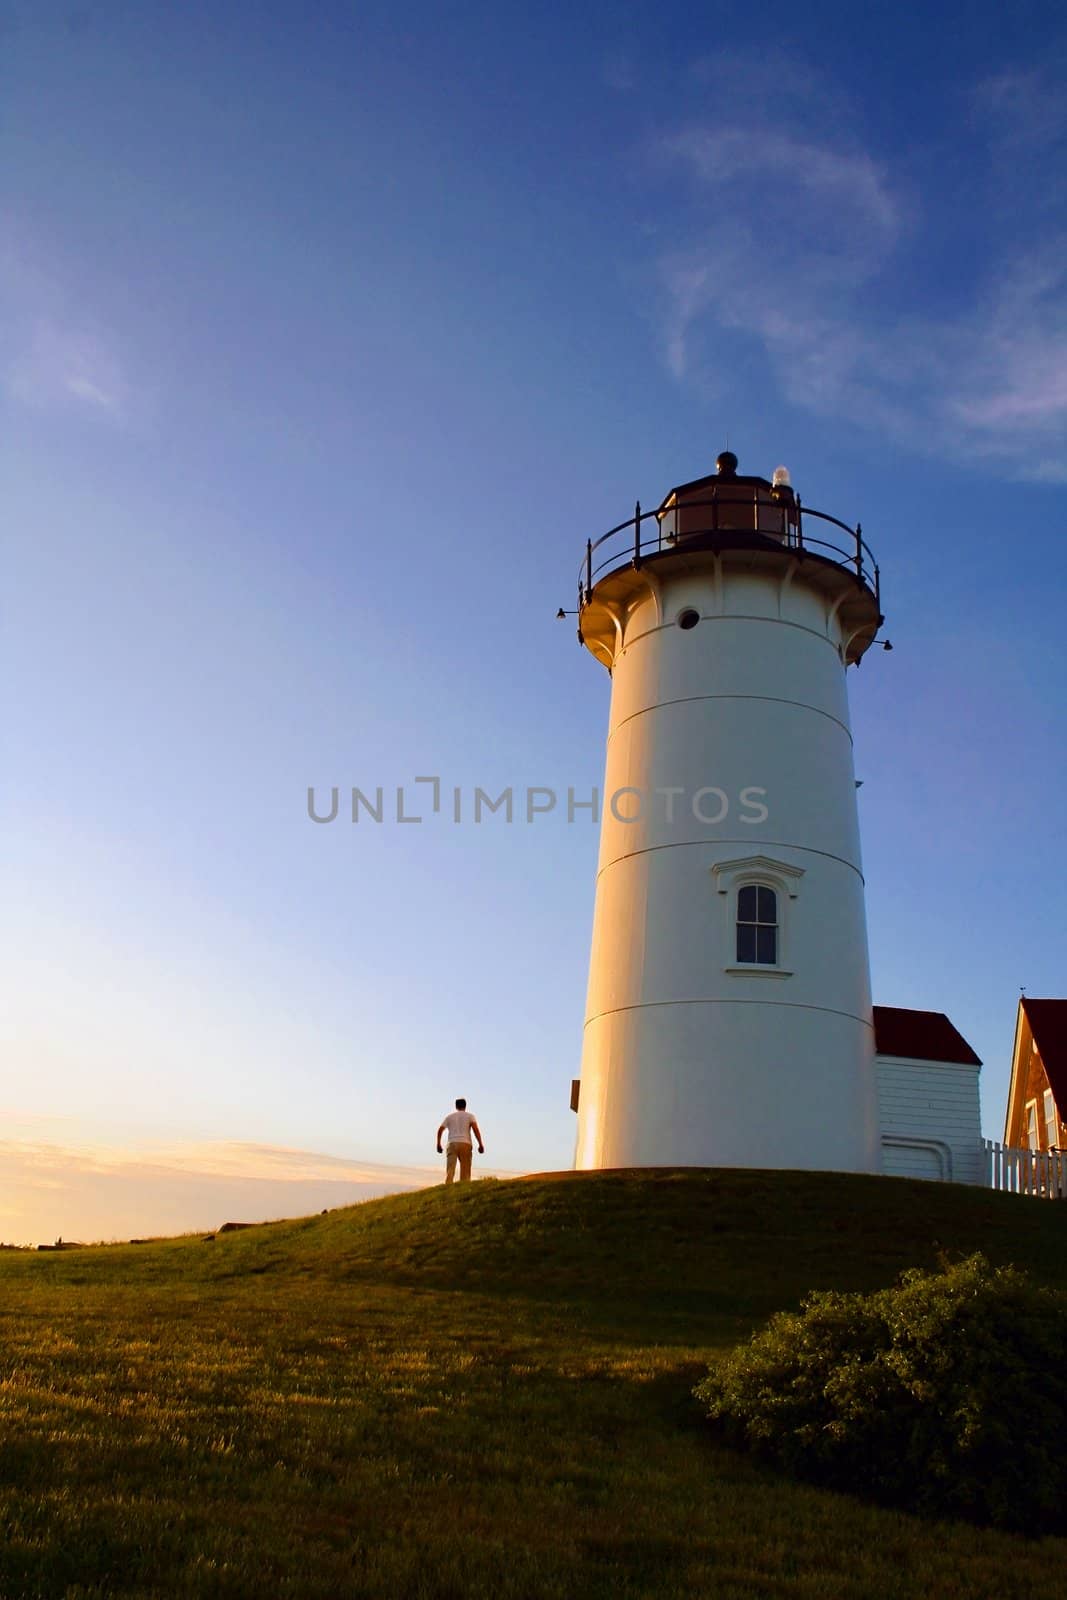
{"type": "Point", "coordinates": [946, 1394]}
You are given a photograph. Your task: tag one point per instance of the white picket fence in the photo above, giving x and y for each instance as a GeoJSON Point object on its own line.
{"type": "Point", "coordinates": [1038, 1172]}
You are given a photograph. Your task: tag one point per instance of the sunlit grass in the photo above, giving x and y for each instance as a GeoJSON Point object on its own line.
{"type": "Point", "coordinates": [483, 1392]}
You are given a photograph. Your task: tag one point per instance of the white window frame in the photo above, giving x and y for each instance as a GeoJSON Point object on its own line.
{"type": "Point", "coordinates": [1033, 1126]}
{"type": "Point", "coordinates": [757, 872]}
{"type": "Point", "coordinates": [1052, 1120]}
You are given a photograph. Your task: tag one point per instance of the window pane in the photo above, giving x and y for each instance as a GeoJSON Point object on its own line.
{"type": "Point", "coordinates": [746, 942]}
{"type": "Point", "coordinates": [767, 946]}
{"type": "Point", "coordinates": [766, 905]}
{"type": "Point", "coordinates": [746, 904]}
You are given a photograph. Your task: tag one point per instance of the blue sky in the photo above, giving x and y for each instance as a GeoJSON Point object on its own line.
{"type": "Point", "coordinates": [327, 335]}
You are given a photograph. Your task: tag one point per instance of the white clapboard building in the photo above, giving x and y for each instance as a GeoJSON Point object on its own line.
{"type": "Point", "coordinates": [928, 1104]}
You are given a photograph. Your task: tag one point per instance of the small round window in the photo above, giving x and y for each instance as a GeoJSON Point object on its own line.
{"type": "Point", "coordinates": [688, 618]}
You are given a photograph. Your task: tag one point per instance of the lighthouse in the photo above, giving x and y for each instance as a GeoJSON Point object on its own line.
{"type": "Point", "coordinates": [728, 1015]}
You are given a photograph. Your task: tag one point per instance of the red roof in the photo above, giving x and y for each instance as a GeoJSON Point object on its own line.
{"type": "Point", "coordinates": [925, 1036]}
{"type": "Point", "coordinates": [1048, 1024]}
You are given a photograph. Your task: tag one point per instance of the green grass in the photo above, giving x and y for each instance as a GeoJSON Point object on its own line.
{"type": "Point", "coordinates": [478, 1392]}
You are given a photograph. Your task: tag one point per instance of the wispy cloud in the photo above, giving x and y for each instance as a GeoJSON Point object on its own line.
{"type": "Point", "coordinates": [65, 365]}
{"type": "Point", "coordinates": [1023, 111]}
{"type": "Point", "coordinates": [54, 352]}
{"type": "Point", "coordinates": [207, 1158]}
{"type": "Point", "coordinates": [787, 234]}
{"type": "Point", "coordinates": [775, 228]}
{"type": "Point", "coordinates": [93, 1190]}
{"type": "Point", "coordinates": [801, 171]}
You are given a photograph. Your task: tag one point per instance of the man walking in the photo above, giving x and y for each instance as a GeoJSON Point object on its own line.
{"type": "Point", "coordinates": [459, 1125]}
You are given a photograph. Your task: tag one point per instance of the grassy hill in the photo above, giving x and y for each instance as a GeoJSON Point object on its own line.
{"type": "Point", "coordinates": [476, 1392]}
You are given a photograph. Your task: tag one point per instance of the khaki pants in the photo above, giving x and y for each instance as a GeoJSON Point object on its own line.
{"type": "Point", "coordinates": [461, 1153]}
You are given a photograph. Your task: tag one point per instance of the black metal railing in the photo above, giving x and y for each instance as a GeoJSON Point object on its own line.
{"type": "Point", "coordinates": [778, 521]}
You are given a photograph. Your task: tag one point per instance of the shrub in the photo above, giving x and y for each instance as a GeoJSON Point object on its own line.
{"type": "Point", "coordinates": [946, 1394]}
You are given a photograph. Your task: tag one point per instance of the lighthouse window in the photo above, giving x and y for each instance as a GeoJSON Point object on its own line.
{"type": "Point", "coordinates": [688, 618]}
{"type": "Point", "coordinates": [757, 925]}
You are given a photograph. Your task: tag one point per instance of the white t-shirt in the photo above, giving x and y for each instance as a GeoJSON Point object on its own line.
{"type": "Point", "coordinates": [458, 1126]}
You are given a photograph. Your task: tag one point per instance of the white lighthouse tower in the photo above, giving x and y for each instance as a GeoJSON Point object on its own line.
{"type": "Point", "coordinates": [728, 1019]}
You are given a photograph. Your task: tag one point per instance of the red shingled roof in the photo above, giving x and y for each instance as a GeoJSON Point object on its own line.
{"type": "Point", "coordinates": [923, 1036]}
{"type": "Point", "coordinates": [1048, 1024]}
